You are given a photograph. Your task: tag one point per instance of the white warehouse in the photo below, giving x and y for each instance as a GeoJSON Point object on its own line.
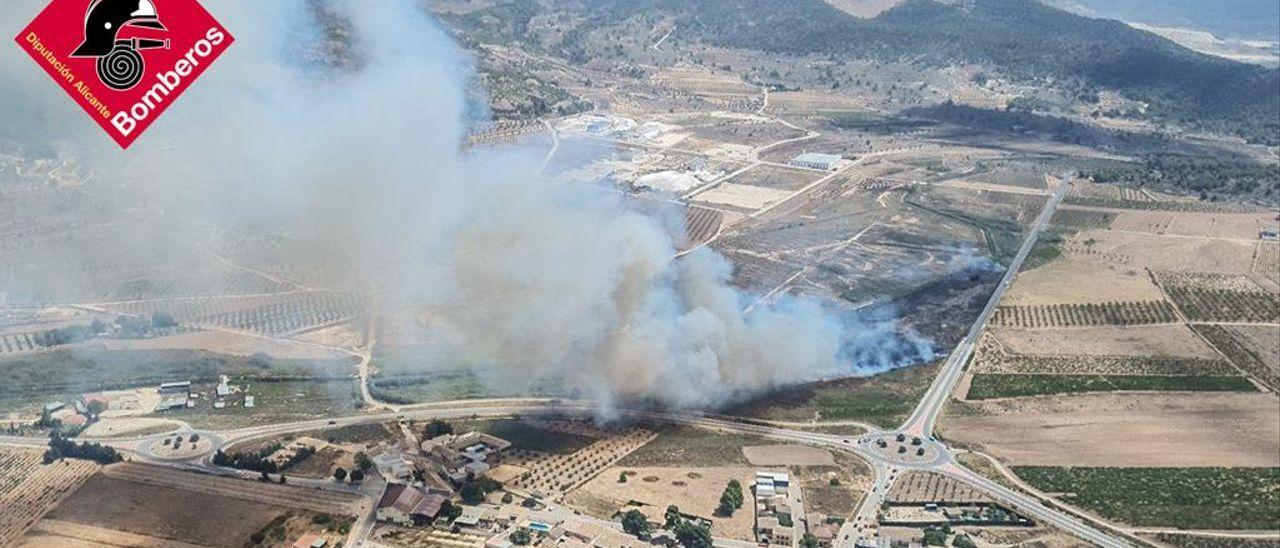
{"type": "Point", "coordinates": [812, 160]}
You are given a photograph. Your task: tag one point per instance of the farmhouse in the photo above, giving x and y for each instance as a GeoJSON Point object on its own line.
{"type": "Point", "coordinates": [810, 160]}
{"type": "Point", "coordinates": [406, 505]}
{"type": "Point", "coordinates": [470, 454]}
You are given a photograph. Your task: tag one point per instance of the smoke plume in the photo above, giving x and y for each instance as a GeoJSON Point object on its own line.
{"type": "Point", "coordinates": [516, 271]}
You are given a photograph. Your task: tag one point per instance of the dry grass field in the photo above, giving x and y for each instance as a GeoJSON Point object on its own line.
{"type": "Point", "coordinates": [1142, 430]}
{"type": "Point", "coordinates": [1166, 253]}
{"type": "Point", "coordinates": [695, 490]}
{"type": "Point", "coordinates": [1076, 280]}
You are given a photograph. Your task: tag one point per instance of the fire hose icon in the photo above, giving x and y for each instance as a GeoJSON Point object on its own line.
{"type": "Point", "coordinates": [120, 66]}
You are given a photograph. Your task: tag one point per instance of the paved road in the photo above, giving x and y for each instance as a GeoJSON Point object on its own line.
{"type": "Point", "coordinates": [923, 419]}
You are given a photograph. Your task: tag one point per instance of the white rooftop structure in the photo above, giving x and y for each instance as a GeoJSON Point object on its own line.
{"type": "Point", "coordinates": [813, 160]}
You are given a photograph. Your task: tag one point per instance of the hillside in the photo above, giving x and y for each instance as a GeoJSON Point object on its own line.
{"type": "Point", "coordinates": [1021, 39]}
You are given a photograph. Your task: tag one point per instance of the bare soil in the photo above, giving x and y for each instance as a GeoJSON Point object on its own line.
{"type": "Point", "coordinates": [1147, 430]}
{"type": "Point", "coordinates": [1148, 340]}
{"type": "Point", "coordinates": [155, 511]}
{"type": "Point", "coordinates": [1077, 280]}
{"type": "Point", "coordinates": [787, 455]}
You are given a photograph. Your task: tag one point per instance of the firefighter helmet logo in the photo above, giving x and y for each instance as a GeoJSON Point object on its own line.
{"type": "Point", "coordinates": [120, 65]}
{"type": "Point", "coordinates": [124, 61]}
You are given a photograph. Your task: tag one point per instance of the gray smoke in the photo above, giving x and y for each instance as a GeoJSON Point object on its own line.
{"type": "Point", "coordinates": [532, 276]}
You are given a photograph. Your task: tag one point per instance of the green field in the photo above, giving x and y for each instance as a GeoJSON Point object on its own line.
{"type": "Point", "coordinates": [38, 378]}
{"type": "Point", "coordinates": [883, 400]}
{"type": "Point", "coordinates": [989, 386]}
{"type": "Point", "coordinates": [1189, 498]}
{"type": "Point", "coordinates": [685, 446]}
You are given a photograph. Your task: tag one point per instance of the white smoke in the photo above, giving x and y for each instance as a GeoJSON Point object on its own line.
{"type": "Point", "coordinates": [530, 275]}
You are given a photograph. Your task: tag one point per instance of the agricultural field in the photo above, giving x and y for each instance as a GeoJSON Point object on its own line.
{"type": "Point", "coordinates": [556, 474]}
{"type": "Point", "coordinates": [279, 314]}
{"type": "Point", "coordinates": [991, 358]}
{"type": "Point", "coordinates": [928, 487]}
{"type": "Point", "coordinates": [1121, 429]}
{"type": "Point", "coordinates": [988, 386]}
{"type": "Point", "coordinates": [1266, 261]}
{"type": "Point", "coordinates": [1173, 340]}
{"type": "Point", "coordinates": [29, 488]}
{"type": "Point", "coordinates": [1230, 299]}
{"type": "Point", "coordinates": [1190, 498]}
{"type": "Point", "coordinates": [1085, 315]}
{"type": "Point", "coordinates": [129, 502]}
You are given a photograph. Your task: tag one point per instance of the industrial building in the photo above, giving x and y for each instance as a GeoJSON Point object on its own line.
{"type": "Point", "coordinates": [407, 505]}
{"type": "Point", "coordinates": [174, 395]}
{"type": "Point", "coordinates": [811, 160]}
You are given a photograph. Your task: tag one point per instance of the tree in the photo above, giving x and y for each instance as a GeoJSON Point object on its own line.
{"type": "Point", "coordinates": [520, 537]}
{"type": "Point", "coordinates": [96, 407]}
{"type": "Point", "coordinates": [672, 517]}
{"type": "Point", "coordinates": [634, 523]}
{"type": "Point", "coordinates": [362, 461]}
{"type": "Point", "coordinates": [963, 541]}
{"type": "Point", "coordinates": [437, 428]}
{"type": "Point", "coordinates": [725, 509]}
{"type": "Point", "coordinates": [622, 477]}
{"type": "Point", "coordinates": [734, 490]}
{"type": "Point", "coordinates": [357, 476]}
{"type": "Point", "coordinates": [340, 474]}
{"type": "Point", "coordinates": [809, 541]}
{"type": "Point", "coordinates": [471, 493]}
{"type": "Point", "coordinates": [934, 536]}
{"type": "Point", "coordinates": [692, 535]}
{"type": "Point", "coordinates": [265, 477]}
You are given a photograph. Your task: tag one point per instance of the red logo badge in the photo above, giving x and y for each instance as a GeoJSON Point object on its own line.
{"type": "Point", "coordinates": [124, 61]}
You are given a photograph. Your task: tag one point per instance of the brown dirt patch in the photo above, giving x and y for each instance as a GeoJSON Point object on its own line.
{"type": "Point", "coordinates": [1152, 340]}
{"type": "Point", "coordinates": [787, 455]}
{"type": "Point", "coordinates": [156, 511]}
{"type": "Point", "coordinates": [1125, 430]}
